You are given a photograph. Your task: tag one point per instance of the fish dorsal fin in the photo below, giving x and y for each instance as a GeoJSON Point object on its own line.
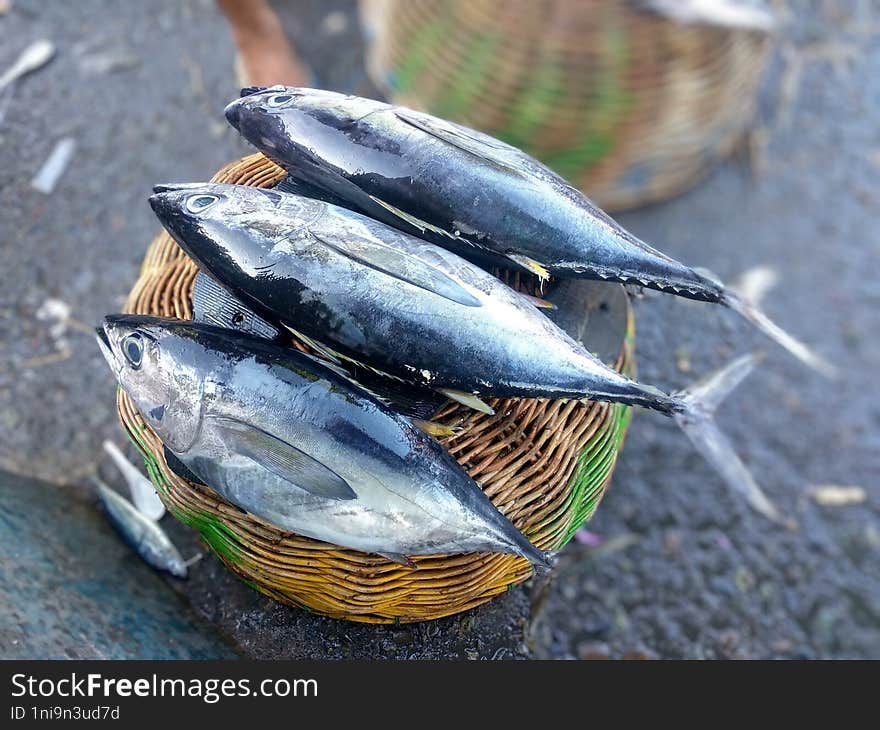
{"type": "Point", "coordinates": [410, 269]}
{"type": "Point", "coordinates": [283, 459]}
{"type": "Point", "coordinates": [490, 150]}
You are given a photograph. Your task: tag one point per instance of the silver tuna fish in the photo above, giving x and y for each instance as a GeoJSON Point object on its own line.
{"type": "Point", "coordinates": [465, 191]}
{"type": "Point", "coordinates": [402, 305]}
{"type": "Point", "coordinates": [294, 443]}
{"type": "Point", "coordinates": [140, 532]}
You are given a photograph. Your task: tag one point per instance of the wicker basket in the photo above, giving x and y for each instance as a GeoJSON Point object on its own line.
{"type": "Point", "coordinates": [545, 465]}
{"type": "Point", "coordinates": [629, 106]}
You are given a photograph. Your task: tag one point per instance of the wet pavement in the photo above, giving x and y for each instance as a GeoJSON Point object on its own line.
{"type": "Point", "coordinates": [685, 570]}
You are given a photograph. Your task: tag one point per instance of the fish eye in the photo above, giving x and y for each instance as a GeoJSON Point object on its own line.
{"type": "Point", "coordinates": [279, 100]}
{"type": "Point", "coordinates": [198, 203]}
{"type": "Point", "coordinates": [133, 349]}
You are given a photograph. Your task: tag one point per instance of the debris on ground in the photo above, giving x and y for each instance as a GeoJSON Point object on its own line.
{"type": "Point", "coordinates": [834, 495]}
{"type": "Point", "coordinates": [32, 58]}
{"type": "Point", "coordinates": [587, 537]}
{"type": "Point", "coordinates": [53, 168]}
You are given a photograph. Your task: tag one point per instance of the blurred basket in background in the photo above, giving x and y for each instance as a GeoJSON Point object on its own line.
{"type": "Point", "coordinates": [628, 106]}
{"type": "Point", "coordinates": [545, 465]}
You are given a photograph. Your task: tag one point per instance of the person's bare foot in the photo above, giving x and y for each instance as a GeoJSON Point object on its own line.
{"type": "Point", "coordinates": [265, 56]}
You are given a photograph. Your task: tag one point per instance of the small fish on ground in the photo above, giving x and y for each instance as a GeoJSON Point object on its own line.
{"type": "Point", "coordinates": [143, 494]}
{"type": "Point", "coordinates": [140, 532]}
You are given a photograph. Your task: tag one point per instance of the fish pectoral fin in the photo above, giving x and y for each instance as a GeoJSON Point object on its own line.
{"type": "Point", "coordinates": [178, 467]}
{"type": "Point", "coordinates": [283, 459]}
{"type": "Point", "coordinates": [432, 428]}
{"type": "Point", "coordinates": [530, 265]}
{"type": "Point", "coordinates": [410, 269]}
{"type": "Point", "coordinates": [467, 399]}
{"type": "Point", "coordinates": [415, 222]}
{"type": "Point", "coordinates": [493, 151]}
{"type": "Point", "coordinates": [399, 559]}
{"type": "Point", "coordinates": [213, 304]}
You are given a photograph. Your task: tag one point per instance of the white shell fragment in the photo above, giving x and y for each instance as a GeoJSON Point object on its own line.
{"type": "Point", "coordinates": [34, 57]}
{"type": "Point", "coordinates": [53, 168]}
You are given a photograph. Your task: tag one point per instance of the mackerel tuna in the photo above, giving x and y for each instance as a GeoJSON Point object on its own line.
{"type": "Point", "coordinates": [465, 191]}
{"type": "Point", "coordinates": [142, 533]}
{"type": "Point", "coordinates": [296, 444]}
{"type": "Point", "coordinates": [382, 297]}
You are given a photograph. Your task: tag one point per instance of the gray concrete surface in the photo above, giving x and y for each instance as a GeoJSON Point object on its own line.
{"type": "Point", "coordinates": [685, 570]}
{"type": "Point", "coordinates": [70, 589]}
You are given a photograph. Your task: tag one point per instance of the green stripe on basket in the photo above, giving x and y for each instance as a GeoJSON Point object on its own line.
{"type": "Point", "coordinates": [612, 102]}
{"type": "Point", "coordinates": [150, 463]}
{"type": "Point", "coordinates": [464, 88]}
{"type": "Point", "coordinates": [217, 534]}
{"type": "Point", "coordinates": [535, 103]}
{"type": "Point", "coordinates": [595, 463]}
{"type": "Point", "coordinates": [219, 537]}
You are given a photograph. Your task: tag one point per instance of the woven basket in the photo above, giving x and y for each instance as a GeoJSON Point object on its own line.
{"type": "Point", "coordinates": [628, 106]}
{"type": "Point", "coordinates": [545, 465]}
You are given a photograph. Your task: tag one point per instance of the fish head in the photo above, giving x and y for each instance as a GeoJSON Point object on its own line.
{"type": "Point", "coordinates": [159, 368]}
{"type": "Point", "coordinates": [230, 230]}
{"type": "Point", "coordinates": [302, 128]}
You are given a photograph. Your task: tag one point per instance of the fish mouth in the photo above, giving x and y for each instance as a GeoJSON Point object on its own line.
{"type": "Point", "coordinates": [107, 349]}
{"type": "Point", "coordinates": [159, 204]}
{"type": "Point", "coordinates": [233, 110]}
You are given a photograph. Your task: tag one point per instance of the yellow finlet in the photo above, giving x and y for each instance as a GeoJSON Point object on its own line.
{"type": "Point", "coordinates": [432, 428]}
{"type": "Point", "coordinates": [530, 265]}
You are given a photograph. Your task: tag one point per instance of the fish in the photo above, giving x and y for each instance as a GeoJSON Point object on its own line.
{"type": "Point", "coordinates": [397, 303]}
{"type": "Point", "coordinates": [143, 495]}
{"type": "Point", "coordinates": [464, 190]}
{"type": "Point", "coordinates": [215, 305]}
{"type": "Point", "coordinates": [290, 441]}
{"type": "Point", "coordinates": [142, 533]}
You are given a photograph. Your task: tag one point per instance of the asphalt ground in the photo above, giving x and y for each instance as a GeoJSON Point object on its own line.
{"type": "Point", "coordinates": [684, 569]}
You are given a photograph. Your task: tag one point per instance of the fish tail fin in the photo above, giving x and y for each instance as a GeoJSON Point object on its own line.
{"type": "Point", "coordinates": [548, 561]}
{"type": "Point", "coordinates": [695, 408]}
{"type": "Point", "coordinates": [750, 311]}
{"type": "Point", "coordinates": [542, 561]}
